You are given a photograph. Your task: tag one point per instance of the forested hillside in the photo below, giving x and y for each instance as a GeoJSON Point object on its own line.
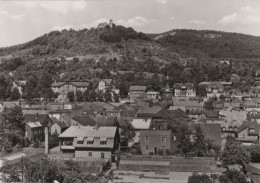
{"type": "Point", "coordinates": [184, 55]}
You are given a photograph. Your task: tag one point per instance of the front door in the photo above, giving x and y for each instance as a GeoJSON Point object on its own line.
{"type": "Point", "coordinates": [155, 150]}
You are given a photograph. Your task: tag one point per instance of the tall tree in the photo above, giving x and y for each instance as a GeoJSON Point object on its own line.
{"type": "Point", "coordinates": [128, 132]}
{"type": "Point", "coordinates": [11, 128]}
{"type": "Point", "coordinates": [30, 88]}
{"type": "Point", "coordinates": [71, 96]}
{"type": "Point", "coordinates": [5, 87]}
{"type": "Point", "coordinates": [86, 96]}
{"type": "Point", "coordinates": [108, 96]}
{"type": "Point", "coordinates": [233, 176]}
{"type": "Point", "coordinates": [79, 96]}
{"type": "Point", "coordinates": [200, 144]}
{"type": "Point", "coordinates": [234, 152]}
{"type": "Point", "coordinates": [44, 83]}
{"type": "Point", "coordinates": [15, 94]}
{"type": "Point", "coordinates": [49, 94]}
{"type": "Point", "coordinates": [183, 138]}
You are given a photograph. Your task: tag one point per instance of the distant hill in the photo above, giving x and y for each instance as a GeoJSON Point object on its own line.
{"type": "Point", "coordinates": [128, 47]}
{"type": "Point", "coordinates": [213, 44]}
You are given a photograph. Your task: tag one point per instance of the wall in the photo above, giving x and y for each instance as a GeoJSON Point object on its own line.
{"type": "Point", "coordinates": [155, 140]}
{"type": "Point", "coordinates": [95, 154]}
{"type": "Point", "coordinates": [54, 128]}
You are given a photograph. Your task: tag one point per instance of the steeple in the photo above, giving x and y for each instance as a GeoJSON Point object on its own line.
{"type": "Point", "coordinates": [167, 81]}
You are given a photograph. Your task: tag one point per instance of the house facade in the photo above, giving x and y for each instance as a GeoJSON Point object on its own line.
{"type": "Point", "coordinates": [152, 141]}
{"type": "Point", "coordinates": [136, 92]}
{"type": "Point", "coordinates": [58, 127]}
{"type": "Point", "coordinates": [184, 90]}
{"type": "Point", "coordinates": [214, 89]}
{"type": "Point", "coordinates": [152, 95]}
{"type": "Point", "coordinates": [248, 133]}
{"type": "Point", "coordinates": [67, 86]}
{"type": "Point", "coordinates": [104, 84]}
{"type": "Point", "coordinates": [34, 131]}
{"type": "Point", "coordinates": [90, 142]}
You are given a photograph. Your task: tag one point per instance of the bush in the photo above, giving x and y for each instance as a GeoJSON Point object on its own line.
{"type": "Point", "coordinates": [26, 142]}
{"type": "Point", "coordinates": [150, 153]}
{"type": "Point", "coordinates": [168, 152]}
{"type": "Point", "coordinates": [160, 152]}
{"type": "Point", "coordinates": [196, 178]}
{"type": "Point", "coordinates": [36, 144]}
{"type": "Point", "coordinates": [107, 166]}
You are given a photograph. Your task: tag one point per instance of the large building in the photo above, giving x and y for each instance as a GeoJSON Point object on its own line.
{"type": "Point", "coordinates": [136, 92]}
{"type": "Point", "coordinates": [153, 141]}
{"type": "Point", "coordinates": [64, 87]}
{"type": "Point", "coordinates": [90, 141]}
{"type": "Point", "coordinates": [184, 90]}
{"type": "Point", "coordinates": [167, 93]}
{"type": "Point", "coordinates": [105, 84]}
{"type": "Point", "coordinates": [214, 90]}
{"type": "Point", "coordinates": [34, 125]}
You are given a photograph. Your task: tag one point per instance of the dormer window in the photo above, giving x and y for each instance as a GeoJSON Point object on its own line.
{"type": "Point", "coordinates": [90, 140]}
{"type": "Point", "coordinates": [80, 140]}
{"type": "Point", "coordinates": [251, 130]}
{"type": "Point", "coordinates": [103, 141]}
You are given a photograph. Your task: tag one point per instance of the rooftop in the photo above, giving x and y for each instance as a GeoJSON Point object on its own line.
{"type": "Point", "coordinates": [137, 88]}
{"type": "Point", "coordinates": [88, 131]}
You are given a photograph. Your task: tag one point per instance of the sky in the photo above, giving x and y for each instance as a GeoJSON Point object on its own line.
{"type": "Point", "coordinates": [22, 21]}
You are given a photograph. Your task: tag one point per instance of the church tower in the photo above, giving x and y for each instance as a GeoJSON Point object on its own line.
{"type": "Point", "coordinates": [167, 93]}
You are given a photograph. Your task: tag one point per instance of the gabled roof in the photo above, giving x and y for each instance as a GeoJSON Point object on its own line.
{"type": "Point", "coordinates": [183, 85]}
{"type": "Point", "coordinates": [107, 81]}
{"type": "Point", "coordinates": [34, 124]}
{"type": "Point", "coordinates": [250, 103]}
{"type": "Point", "coordinates": [89, 131]}
{"type": "Point", "coordinates": [232, 104]}
{"type": "Point", "coordinates": [35, 118]}
{"type": "Point", "coordinates": [137, 88]}
{"type": "Point", "coordinates": [60, 123]}
{"type": "Point", "coordinates": [61, 111]}
{"type": "Point", "coordinates": [106, 121]}
{"type": "Point", "coordinates": [250, 125]}
{"type": "Point", "coordinates": [85, 120]}
{"type": "Point", "coordinates": [66, 119]}
{"type": "Point", "coordinates": [128, 113]}
{"type": "Point", "coordinates": [148, 111]}
{"type": "Point", "coordinates": [75, 83]}
{"type": "Point", "coordinates": [141, 124]}
{"type": "Point", "coordinates": [211, 114]}
{"type": "Point", "coordinates": [186, 103]}
{"type": "Point", "coordinates": [21, 82]}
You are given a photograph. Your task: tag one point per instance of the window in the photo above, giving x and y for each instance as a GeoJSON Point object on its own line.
{"type": "Point", "coordinates": [90, 154]}
{"type": "Point", "coordinates": [103, 143]}
{"type": "Point", "coordinates": [79, 142]}
{"type": "Point", "coordinates": [146, 138]}
{"type": "Point", "coordinates": [102, 155]}
{"type": "Point", "coordinates": [146, 148]}
{"type": "Point", "coordinates": [163, 139]}
{"type": "Point", "coordinates": [89, 142]}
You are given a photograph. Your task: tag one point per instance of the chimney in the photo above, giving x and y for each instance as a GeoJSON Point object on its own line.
{"type": "Point", "coordinates": [97, 126]}
{"type": "Point", "coordinates": [46, 130]}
